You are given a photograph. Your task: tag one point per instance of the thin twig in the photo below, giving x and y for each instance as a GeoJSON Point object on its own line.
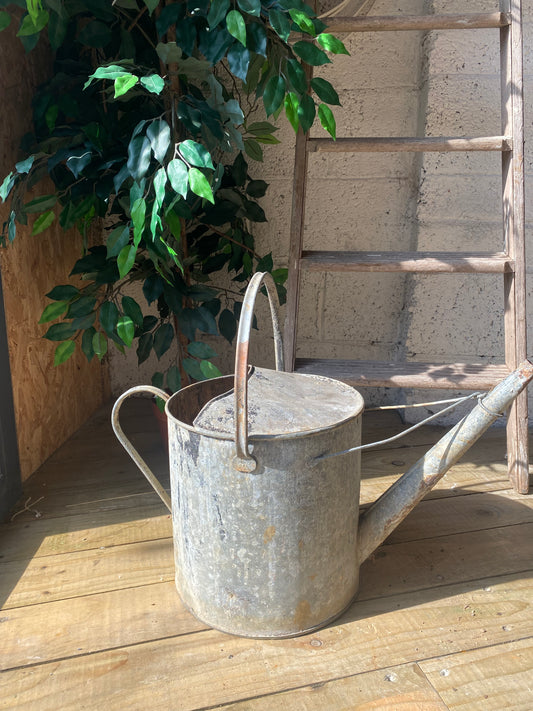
{"type": "Point", "coordinates": [38, 514]}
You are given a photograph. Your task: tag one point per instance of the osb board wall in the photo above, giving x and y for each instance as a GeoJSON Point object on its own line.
{"type": "Point", "coordinates": [50, 403]}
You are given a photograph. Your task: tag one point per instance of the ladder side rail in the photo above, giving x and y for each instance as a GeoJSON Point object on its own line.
{"type": "Point", "coordinates": [514, 234]}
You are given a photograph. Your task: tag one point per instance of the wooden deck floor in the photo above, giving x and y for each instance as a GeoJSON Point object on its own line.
{"type": "Point", "coordinates": [90, 618]}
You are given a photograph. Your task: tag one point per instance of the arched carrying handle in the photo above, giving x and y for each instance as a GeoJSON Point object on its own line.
{"type": "Point", "coordinates": [243, 460]}
{"type": "Point", "coordinates": [130, 449]}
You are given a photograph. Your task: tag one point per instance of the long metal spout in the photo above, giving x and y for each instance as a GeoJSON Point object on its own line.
{"type": "Point", "coordinates": [394, 505]}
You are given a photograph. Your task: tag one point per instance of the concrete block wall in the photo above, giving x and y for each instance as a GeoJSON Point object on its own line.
{"type": "Point", "coordinates": [397, 83]}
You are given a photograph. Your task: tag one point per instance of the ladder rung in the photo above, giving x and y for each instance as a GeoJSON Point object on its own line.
{"type": "Point", "coordinates": [457, 376]}
{"type": "Point", "coordinates": [401, 144]}
{"type": "Point", "coordinates": [423, 262]}
{"type": "Point", "coordinates": [470, 21]}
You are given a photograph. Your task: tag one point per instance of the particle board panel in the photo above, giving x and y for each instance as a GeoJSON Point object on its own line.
{"type": "Point", "coordinates": [490, 679]}
{"type": "Point", "coordinates": [205, 669]}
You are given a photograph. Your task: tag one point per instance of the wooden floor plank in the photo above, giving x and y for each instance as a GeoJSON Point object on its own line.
{"type": "Point", "coordinates": [58, 577]}
{"type": "Point", "coordinates": [24, 539]}
{"type": "Point", "coordinates": [209, 668]}
{"type": "Point", "coordinates": [402, 688]}
{"type": "Point", "coordinates": [490, 679]}
{"type": "Point", "coordinates": [91, 623]}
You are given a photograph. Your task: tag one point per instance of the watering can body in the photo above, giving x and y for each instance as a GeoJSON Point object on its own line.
{"type": "Point", "coordinates": [265, 519]}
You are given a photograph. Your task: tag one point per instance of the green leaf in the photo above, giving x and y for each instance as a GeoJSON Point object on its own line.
{"type": "Point", "coordinates": [325, 91]}
{"type": "Point", "coordinates": [256, 188]}
{"type": "Point", "coordinates": [195, 154]}
{"type": "Point", "coordinates": [310, 53]}
{"type": "Point", "coordinates": [331, 43]}
{"type": "Point", "coordinates": [126, 259]}
{"type": "Point", "coordinates": [158, 380]}
{"type": "Point", "coordinates": [126, 330]}
{"type": "Point", "coordinates": [43, 222]}
{"type": "Point", "coordinates": [151, 5]}
{"type": "Point", "coordinates": [261, 128]}
{"type": "Point", "coordinates": [44, 202]}
{"type": "Point", "coordinates": [5, 20]}
{"type": "Point", "coordinates": [59, 332]}
{"type": "Point", "coordinates": [306, 112]}
{"type": "Point", "coordinates": [200, 185]}
{"type": "Point", "coordinates": [303, 21]}
{"type": "Point", "coordinates": [117, 240]}
{"type": "Point", "coordinates": [132, 309]}
{"type": "Point", "coordinates": [124, 83]}
{"type": "Point", "coordinates": [153, 83]}
{"type": "Point", "coordinates": [217, 12]}
{"type": "Point", "coordinates": [296, 76]}
{"type": "Point", "coordinates": [280, 23]}
{"type": "Point", "coordinates": [236, 26]}
{"type": "Point", "coordinates": [63, 352]}
{"type": "Point", "coordinates": [6, 186]}
{"type": "Point", "coordinates": [227, 324]}
{"type": "Point", "coordinates": [138, 214]}
{"type": "Point", "coordinates": [178, 176]}
{"type": "Point", "coordinates": [87, 343]}
{"type": "Point", "coordinates": [251, 7]}
{"type": "Point", "coordinates": [325, 114]}
{"type": "Point", "coordinates": [253, 149]}
{"type": "Point", "coordinates": [81, 307]}
{"type": "Point", "coordinates": [192, 368]}
{"type": "Point", "coordinates": [169, 52]}
{"type": "Point", "coordinates": [109, 317]}
{"type": "Point", "coordinates": [139, 155]}
{"type": "Point", "coordinates": [99, 344]}
{"type": "Point", "coordinates": [274, 94]}
{"type": "Point", "coordinates": [24, 166]}
{"type": "Point", "coordinates": [174, 379]}
{"type": "Point", "coordinates": [53, 311]}
{"type": "Point", "coordinates": [144, 347]}
{"type": "Point", "coordinates": [111, 72]}
{"type": "Point", "coordinates": [32, 25]}
{"type": "Point", "coordinates": [63, 292]}
{"type": "Point", "coordinates": [163, 338]}
{"type": "Point", "coordinates": [209, 370]}
{"type": "Point", "coordinates": [77, 162]}
{"type": "Point", "coordinates": [158, 133]}
{"type": "Point", "coordinates": [291, 110]}
{"type": "Point", "coordinates": [197, 349]}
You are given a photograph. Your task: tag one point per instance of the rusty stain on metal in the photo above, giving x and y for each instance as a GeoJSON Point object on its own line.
{"type": "Point", "coordinates": [266, 544]}
{"type": "Point", "coordinates": [269, 534]}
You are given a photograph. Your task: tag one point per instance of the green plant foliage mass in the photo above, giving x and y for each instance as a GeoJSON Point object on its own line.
{"type": "Point", "coordinates": [146, 128]}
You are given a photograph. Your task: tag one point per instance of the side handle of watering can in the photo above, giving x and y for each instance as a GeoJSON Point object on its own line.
{"type": "Point", "coordinates": [130, 449]}
{"type": "Point", "coordinates": [243, 460]}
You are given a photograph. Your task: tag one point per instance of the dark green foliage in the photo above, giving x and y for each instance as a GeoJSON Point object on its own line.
{"type": "Point", "coordinates": [140, 124]}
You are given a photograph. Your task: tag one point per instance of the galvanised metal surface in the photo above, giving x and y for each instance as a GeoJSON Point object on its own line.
{"type": "Point", "coordinates": [265, 525]}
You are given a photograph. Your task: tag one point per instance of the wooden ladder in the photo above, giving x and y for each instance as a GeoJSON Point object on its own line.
{"type": "Point", "coordinates": [510, 262]}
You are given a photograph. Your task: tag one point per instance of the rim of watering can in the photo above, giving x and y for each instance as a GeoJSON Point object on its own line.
{"type": "Point", "coordinates": [229, 436]}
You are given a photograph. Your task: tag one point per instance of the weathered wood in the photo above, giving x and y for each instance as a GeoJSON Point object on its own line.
{"type": "Point", "coordinates": [395, 23]}
{"type": "Point", "coordinates": [395, 144]}
{"type": "Point", "coordinates": [209, 668]}
{"type": "Point", "coordinates": [414, 375]}
{"type": "Point", "coordinates": [392, 689]}
{"type": "Point", "coordinates": [56, 577]}
{"type": "Point", "coordinates": [415, 262]}
{"type": "Point", "coordinates": [92, 623]}
{"type": "Point", "coordinates": [39, 537]}
{"type": "Point", "coordinates": [485, 680]}
{"type": "Point", "coordinates": [514, 234]}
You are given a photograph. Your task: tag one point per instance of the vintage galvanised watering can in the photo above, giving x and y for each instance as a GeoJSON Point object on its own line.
{"type": "Point", "coordinates": [268, 540]}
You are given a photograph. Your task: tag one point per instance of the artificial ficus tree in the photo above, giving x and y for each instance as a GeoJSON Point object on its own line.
{"type": "Point", "coordinates": [146, 128]}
